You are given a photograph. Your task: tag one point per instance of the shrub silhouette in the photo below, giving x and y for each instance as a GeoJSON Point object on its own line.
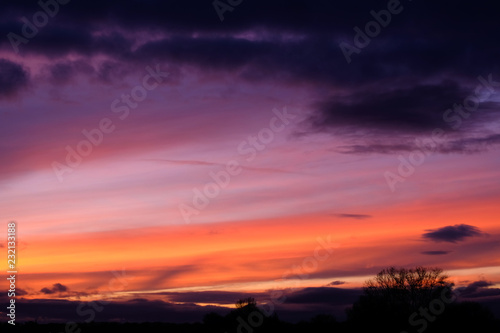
{"type": "Point", "coordinates": [249, 318]}
{"type": "Point", "coordinates": [246, 302]}
{"type": "Point", "coordinates": [214, 322]}
{"type": "Point", "coordinates": [465, 317]}
{"type": "Point", "coordinates": [387, 303]}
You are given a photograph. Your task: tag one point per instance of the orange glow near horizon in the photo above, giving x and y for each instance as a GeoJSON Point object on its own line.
{"type": "Point", "coordinates": [249, 255]}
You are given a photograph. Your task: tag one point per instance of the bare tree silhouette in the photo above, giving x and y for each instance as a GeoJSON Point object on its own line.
{"type": "Point", "coordinates": [394, 294]}
{"type": "Point", "coordinates": [408, 287]}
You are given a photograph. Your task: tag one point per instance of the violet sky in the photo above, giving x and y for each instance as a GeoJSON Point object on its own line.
{"type": "Point", "coordinates": [223, 149]}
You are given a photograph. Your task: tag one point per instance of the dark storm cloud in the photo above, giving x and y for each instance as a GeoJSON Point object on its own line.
{"type": "Point", "coordinates": [64, 71]}
{"type": "Point", "coordinates": [424, 61]}
{"type": "Point", "coordinates": [452, 146]}
{"type": "Point", "coordinates": [200, 15]}
{"type": "Point", "coordinates": [315, 56]}
{"type": "Point", "coordinates": [56, 288]}
{"type": "Point", "coordinates": [452, 234]}
{"type": "Point", "coordinates": [435, 253]}
{"type": "Point", "coordinates": [60, 40]}
{"type": "Point", "coordinates": [13, 77]}
{"type": "Point", "coordinates": [417, 108]}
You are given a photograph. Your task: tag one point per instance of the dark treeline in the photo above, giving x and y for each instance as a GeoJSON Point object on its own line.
{"type": "Point", "coordinates": [454, 322]}
{"type": "Point", "coordinates": [395, 301]}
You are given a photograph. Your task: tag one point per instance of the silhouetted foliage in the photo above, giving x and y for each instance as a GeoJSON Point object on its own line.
{"type": "Point", "coordinates": [248, 317]}
{"type": "Point", "coordinates": [250, 301]}
{"type": "Point", "coordinates": [409, 288]}
{"type": "Point", "coordinates": [416, 300]}
{"type": "Point", "coordinates": [398, 292]}
{"type": "Point", "coordinates": [322, 323]}
{"type": "Point", "coordinates": [464, 317]}
{"type": "Point", "coordinates": [214, 322]}
{"type": "Point", "coordinates": [412, 300]}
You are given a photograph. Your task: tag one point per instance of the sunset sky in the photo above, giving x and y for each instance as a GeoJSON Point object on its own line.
{"type": "Point", "coordinates": [159, 157]}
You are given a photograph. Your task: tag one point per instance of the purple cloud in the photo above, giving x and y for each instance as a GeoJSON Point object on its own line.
{"type": "Point", "coordinates": [452, 234]}
{"type": "Point", "coordinates": [56, 288]}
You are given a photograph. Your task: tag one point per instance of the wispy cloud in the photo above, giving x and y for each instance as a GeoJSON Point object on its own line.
{"type": "Point", "coordinates": [336, 283]}
{"type": "Point", "coordinates": [435, 253]}
{"type": "Point", "coordinates": [467, 145]}
{"type": "Point", "coordinates": [212, 164]}
{"type": "Point", "coordinates": [354, 216]}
